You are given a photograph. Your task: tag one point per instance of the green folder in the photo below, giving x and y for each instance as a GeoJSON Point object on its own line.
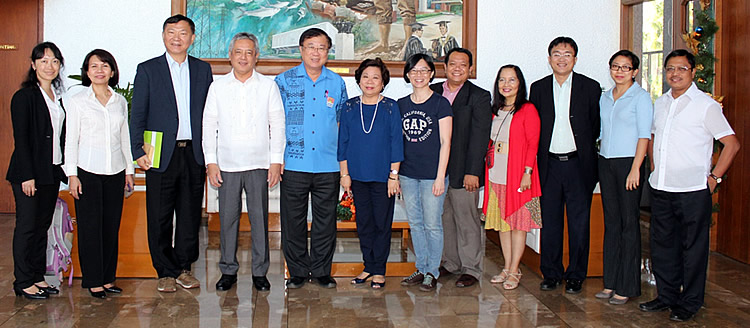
{"type": "Point", "coordinates": [152, 146]}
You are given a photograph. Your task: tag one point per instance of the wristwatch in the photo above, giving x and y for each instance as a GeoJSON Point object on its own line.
{"type": "Point", "coordinates": [718, 179]}
{"type": "Point", "coordinates": [394, 172]}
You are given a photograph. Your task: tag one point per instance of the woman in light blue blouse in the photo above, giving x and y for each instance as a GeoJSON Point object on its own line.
{"type": "Point", "coordinates": [626, 115]}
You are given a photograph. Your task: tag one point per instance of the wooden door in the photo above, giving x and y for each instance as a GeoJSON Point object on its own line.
{"type": "Point", "coordinates": [20, 30]}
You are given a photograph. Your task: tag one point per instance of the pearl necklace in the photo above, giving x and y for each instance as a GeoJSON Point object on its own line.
{"type": "Point", "coordinates": [362, 117]}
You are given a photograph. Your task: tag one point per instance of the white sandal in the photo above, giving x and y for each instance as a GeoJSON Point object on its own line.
{"type": "Point", "coordinates": [500, 278]}
{"type": "Point", "coordinates": [513, 280]}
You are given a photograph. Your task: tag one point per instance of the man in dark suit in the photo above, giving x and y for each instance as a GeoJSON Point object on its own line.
{"type": "Point", "coordinates": [463, 236]}
{"type": "Point", "coordinates": [169, 95]}
{"type": "Point", "coordinates": [568, 105]}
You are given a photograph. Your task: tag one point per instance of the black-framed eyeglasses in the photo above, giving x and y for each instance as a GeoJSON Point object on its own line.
{"type": "Point", "coordinates": [616, 68]}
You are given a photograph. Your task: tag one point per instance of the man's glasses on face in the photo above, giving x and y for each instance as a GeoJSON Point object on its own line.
{"type": "Point", "coordinates": [680, 69]}
{"type": "Point", "coordinates": [562, 55]}
{"type": "Point", "coordinates": [319, 49]}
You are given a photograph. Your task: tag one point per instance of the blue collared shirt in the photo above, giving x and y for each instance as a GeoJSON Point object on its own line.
{"type": "Point", "coordinates": [624, 121]}
{"type": "Point", "coordinates": [312, 113]}
{"type": "Point", "coordinates": [180, 73]}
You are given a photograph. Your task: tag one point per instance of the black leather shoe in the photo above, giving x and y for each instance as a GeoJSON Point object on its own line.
{"type": "Point", "coordinates": [113, 290]}
{"type": "Point", "coordinates": [680, 314]}
{"type": "Point", "coordinates": [549, 284]}
{"type": "Point", "coordinates": [296, 282]}
{"type": "Point", "coordinates": [655, 305]}
{"type": "Point", "coordinates": [326, 281]}
{"type": "Point", "coordinates": [261, 283]}
{"type": "Point", "coordinates": [573, 286]}
{"type": "Point", "coordinates": [226, 281]}
{"type": "Point", "coordinates": [444, 272]}
{"type": "Point", "coordinates": [99, 294]}
{"type": "Point", "coordinates": [40, 295]}
{"type": "Point", "coordinates": [466, 280]}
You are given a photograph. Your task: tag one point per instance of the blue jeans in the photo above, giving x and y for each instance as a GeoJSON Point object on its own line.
{"type": "Point", "coordinates": [424, 211]}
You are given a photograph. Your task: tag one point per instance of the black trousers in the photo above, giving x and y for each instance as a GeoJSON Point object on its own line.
{"type": "Point", "coordinates": [622, 233]}
{"type": "Point", "coordinates": [296, 189]}
{"type": "Point", "coordinates": [564, 189]}
{"type": "Point", "coordinates": [98, 213]}
{"type": "Point", "coordinates": [374, 219]}
{"type": "Point", "coordinates": [33, 217]}
{"type": "Point", "coordinates": [679, 246]}
{"type": "Point", "coordinates": [176, 191]}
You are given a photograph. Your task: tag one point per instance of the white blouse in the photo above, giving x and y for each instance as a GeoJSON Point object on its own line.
{"type": "Point", "coordinates": [97, 138]}
{"type": "Point", "coordinates": [57, 117]}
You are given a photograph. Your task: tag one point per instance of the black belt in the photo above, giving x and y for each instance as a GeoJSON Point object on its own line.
{"type": "Point", "coordinates": [564, 157]}
{"type": "Point", "coordinates": [183, 143]}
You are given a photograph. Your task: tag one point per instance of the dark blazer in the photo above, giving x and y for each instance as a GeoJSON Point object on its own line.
{"type": "Point", "coordinates": [472, 119]}
{"type": "Point", "coordinates": [154, 106]}
{"type": "Point", "coordinates": [584, 121]}
{"type": "Point", "coordinates": [32, 133]}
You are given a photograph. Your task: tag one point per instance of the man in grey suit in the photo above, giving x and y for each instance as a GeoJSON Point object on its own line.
{"type": "Point", "coordinates": [244, 138]}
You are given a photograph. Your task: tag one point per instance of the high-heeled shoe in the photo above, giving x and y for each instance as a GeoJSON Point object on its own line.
{"type": "Point", "coordinates": [357, 281]}
{"type": "Point", "coordinates": [513, 280]}
{"type": "Point", "coordinates": [114, 289]}
{"type": "Point", "coordinates": [377, 285]}
{"type": "Point", "coordinates": [52, 290]}
{"type": "Point", "coordinates": [99, 294]}
{"type": "Point", "coordinates": [39, 295]}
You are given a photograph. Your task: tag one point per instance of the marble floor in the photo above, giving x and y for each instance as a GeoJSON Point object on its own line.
{"type": "Point", "coordinates": [483, 305]}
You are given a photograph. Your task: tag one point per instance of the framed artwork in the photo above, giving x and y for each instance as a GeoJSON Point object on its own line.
{"type": "Point", "coordinates": [359, 29]}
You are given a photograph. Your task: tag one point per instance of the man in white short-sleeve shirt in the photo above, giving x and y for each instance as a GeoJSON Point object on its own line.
{"type": "Point", "coordinates": [686, 122]}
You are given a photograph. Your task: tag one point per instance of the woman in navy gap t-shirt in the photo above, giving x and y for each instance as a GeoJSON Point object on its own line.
{"type": "Point", "coordinates": [426, 119]}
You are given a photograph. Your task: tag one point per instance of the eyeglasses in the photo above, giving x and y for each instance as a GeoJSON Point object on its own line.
{"type": "Point", "coordinates": [616, 68]}
{"type": "Point", "coordinates": [510, 81]}
{"type": "Point", "coordinates": [681, 69]}
{"type": "Point", "coordinates": [319, 49]}
{"type": "Point", "coordinates": [421, 71]}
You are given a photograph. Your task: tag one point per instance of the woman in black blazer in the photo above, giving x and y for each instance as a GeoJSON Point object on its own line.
{"type": "Point", "coordinates": [35, 169]}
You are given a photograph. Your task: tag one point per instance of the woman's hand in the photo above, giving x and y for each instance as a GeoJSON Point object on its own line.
{"type": "Point", "coordinates": [29, 187]}
{"type": "Point", "coordinates": [75, 186]}
{"type": "Point", "coordinates": [129, 182]}
{"type": "Point", "coordinates": [525, 182]}
{"type": "Point", "coordinates": [438, 187]}
{"type": "Point", "coordinates": [394, 187]}
{"type": "Point", "coordinates": [346, 183]}
{"type": "Point", "coordinates": [633, 179]}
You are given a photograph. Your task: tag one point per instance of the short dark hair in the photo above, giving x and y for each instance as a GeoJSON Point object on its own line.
{"type": "Point", "coordinates": [627, 54]}
{"type": "Point", "coordinates": [106, 57]}
{"type": "Point", "coordinates": [498, 100]}
{"type": "Point", "coordinates": [413, 60]}
{"type": "Point", "coordinates": [681, 53]}
{"type": "Point", "coordinates": [176, 19]}
{"type": "Point", "coordinates": [31, 79]}
{"type": "Point", "coordinates": [377, 62]}
{"type": "Point", "coordinates": [463, 51]}
{"type": "Point", "coordinates": [313, 32]}
{"type": "Point", "coordinates": [563, 40]}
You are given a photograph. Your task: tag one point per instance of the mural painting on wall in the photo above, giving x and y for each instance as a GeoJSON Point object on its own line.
{"type": "Point", "coordinates": [359, 29]}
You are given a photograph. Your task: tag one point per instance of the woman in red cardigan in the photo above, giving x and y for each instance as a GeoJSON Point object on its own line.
{"type": "Point", "coordinates": [512, 189]}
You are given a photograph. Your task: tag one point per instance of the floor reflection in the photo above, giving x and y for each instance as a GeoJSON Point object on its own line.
{"type": "Point", "coordinates": [483, 305]}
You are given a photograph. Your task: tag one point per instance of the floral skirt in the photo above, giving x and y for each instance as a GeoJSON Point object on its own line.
{"type": "Point", "coordinates": [527, 217]}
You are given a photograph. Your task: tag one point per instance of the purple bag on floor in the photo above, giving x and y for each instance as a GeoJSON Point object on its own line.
{"type": "Point", "coordinates": [60, 242]}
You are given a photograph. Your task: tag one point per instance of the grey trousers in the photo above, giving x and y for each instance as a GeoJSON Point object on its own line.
{"type": "Point", "coordinates": [463, 235]}
{"type": "Point", "coordinates": [255, 185]}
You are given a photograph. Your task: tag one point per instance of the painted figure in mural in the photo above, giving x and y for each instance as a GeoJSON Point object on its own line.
{"type": "Point", "coordinates": [384, 14]}
{"type": "Point", "coordinates": [313, 97]}
{"type": "Point", "coordinates": [686, 123]}
{"type": "Point", "coordinates": [414, 44]}
{"type": "Point", "coordinates": [174, 190]}
{"type": "Point", "coordinates": [243, 129]}
{"type": "Point", "coordinates": [444, 43]}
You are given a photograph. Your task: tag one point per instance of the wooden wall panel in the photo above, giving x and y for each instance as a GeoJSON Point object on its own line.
{"type": "Point", "coordinates": [733, 46]}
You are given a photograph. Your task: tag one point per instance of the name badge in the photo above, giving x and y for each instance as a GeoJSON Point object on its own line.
{"type": "Point", "coordinates": [329, 102]}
